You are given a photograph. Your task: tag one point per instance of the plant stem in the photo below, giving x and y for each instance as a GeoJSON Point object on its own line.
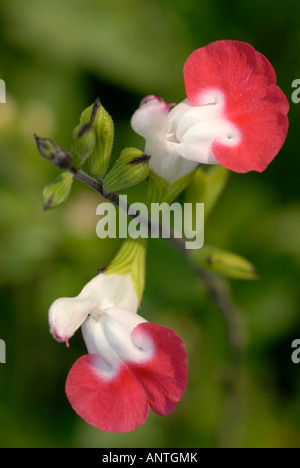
{"type": "Point", "coordinates": [115, 200]}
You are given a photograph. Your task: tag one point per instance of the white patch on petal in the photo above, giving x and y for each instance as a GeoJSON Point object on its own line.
{"type": "Point", "coordinates": [183, 138]}
{"type": "Point", "coordinates": [111, 338]}
{"type": "Point", "coordinates": [96, 343]}
{"type": "Point", "coordinates": [211, 96]}
{"type": "Point", "coordinates": [118, 326]}
{"type": "Point", "coordinates": [197, 127]}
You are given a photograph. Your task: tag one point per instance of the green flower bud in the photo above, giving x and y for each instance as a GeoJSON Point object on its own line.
{"type": "Point", "coordinates": [131, 168]}
{"type": "Point", "coordinates": [104, 130]}
{"type": "Point", "coordinates": [57, 192]}
{"type": "Point", "coordinates": [224, 262]}
{"type": "Point", "coordinates": [54, 153]}
{"type": "Point", "coordinates": [83, 143]}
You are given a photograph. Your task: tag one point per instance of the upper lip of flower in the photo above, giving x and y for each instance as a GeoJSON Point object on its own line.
{"type": "Point", "coordinates": [151, 122]}
{"type": "Point", "coordinates": [66, 314]}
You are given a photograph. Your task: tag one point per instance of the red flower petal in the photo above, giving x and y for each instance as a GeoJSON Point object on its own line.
{"type": "Point", "coordinates": [253, 102]}
{"type": "Point", "coordinates": [164, 377]}
{"type": "Point", "coordinates": [115, 403]}
{"type": "Point", "coordinates": [118, 400]}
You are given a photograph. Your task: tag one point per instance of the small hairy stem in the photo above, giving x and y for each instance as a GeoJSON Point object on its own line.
{"type": "Point", "coordinates": [115, 200]}
{"type": "Point", "coordinates": [236, 339]}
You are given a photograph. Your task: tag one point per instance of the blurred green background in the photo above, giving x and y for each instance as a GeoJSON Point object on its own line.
{"type": "Point", "coordinates": [56, 58]}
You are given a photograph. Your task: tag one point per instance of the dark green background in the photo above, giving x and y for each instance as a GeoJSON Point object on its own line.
{"type": "Point", "coordinates": [56, 58]}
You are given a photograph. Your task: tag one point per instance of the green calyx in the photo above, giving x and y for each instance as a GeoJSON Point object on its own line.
{"type": "Point", "coordinates": [83, 143]}
{"type": "Point", "coordinates": [131, 258]}
{"type": "Point", "coordinates": [159, 190]}
{"type": "Point", "coordinates": [103, 127]}
{"type": "Point", "coordinates": [131, 168]}
{"type": "Point", "coordinates": [207, 187]}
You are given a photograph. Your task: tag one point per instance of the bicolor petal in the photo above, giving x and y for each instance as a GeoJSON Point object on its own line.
{"type": "Point", "coordinates": [254, 107]}
{"type": "Point", "coordinates": [136, 364]}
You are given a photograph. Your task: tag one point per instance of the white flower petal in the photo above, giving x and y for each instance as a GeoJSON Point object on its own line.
{"type": "Point", "coordinates": [110, 291]}
{"type": "Point", "coordinates": [110, 337]}
{"type": "Point", "coordinates": [150, 120]}
{"type": "Point", "coordinates": [96, 343]}
{"type": "Point", "coordinates": [118, 326]}
{"type": "Point", "coordinates": [66, 315]}
{"type": "Point", "coordinates": [185, 115]}
{"type": "Point", "coordinates": [196, 143]}
{"type": "Point", "coordinates": [167, 163]}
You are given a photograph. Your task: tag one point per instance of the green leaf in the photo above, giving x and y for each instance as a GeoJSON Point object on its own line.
{"type": "Point", "coordinates": [57, 192]}
{"type": "Point", "coordinates": [104, 130]}
{"type": "Point", "coordinates": [224, 262]}
{"type": "Point", "coordinates": [130, 169]}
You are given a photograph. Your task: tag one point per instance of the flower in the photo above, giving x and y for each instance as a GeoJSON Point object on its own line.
{"type": "Point", "coordinates": [234, 114]}
{"type": "Point", "coordinates": [151, 122]}
{"type": "Point", "coordinates": [132, 364]}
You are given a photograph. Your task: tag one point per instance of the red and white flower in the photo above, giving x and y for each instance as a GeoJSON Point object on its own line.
{"type": "Point", "coordinates": [234, 114]}
{"type": "Point", "coordinates": [132, 364]}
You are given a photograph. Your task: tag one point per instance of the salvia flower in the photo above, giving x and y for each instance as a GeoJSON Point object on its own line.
{"type": "Point", "coordinates": [234, 114]}
{"type": "Point", "coordinates": [132, 364]}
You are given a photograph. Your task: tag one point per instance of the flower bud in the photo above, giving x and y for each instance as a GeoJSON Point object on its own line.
{"type": "Point", "coordinates": [104, 130]}
{"type": "Point", "coordinates": [54, 153]}
{"type": "Point", "coordinates": [224, 262]}
{"type": "Point", "coordinates": [130, 169]}
{"type": "Point", "coordinates": [57, 191]}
